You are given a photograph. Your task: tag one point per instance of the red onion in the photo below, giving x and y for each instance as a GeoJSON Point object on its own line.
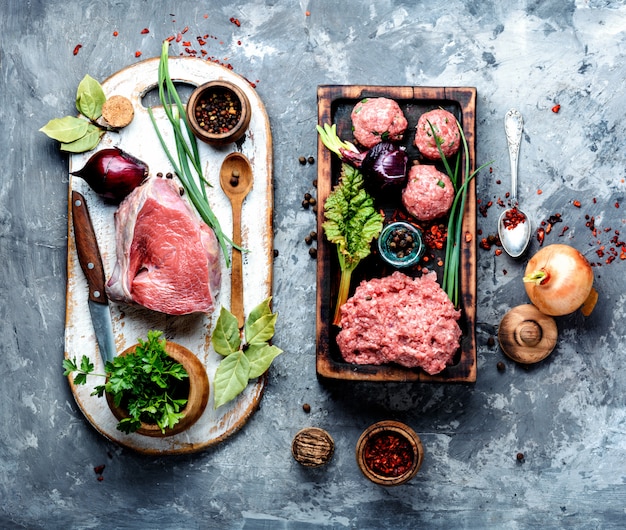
{"type": "Point", "coordinates": [386, 164]}
{"type": "Point", "coordinates": [113, 173]}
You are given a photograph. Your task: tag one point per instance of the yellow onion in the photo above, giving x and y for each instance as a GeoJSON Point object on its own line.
{"type": "Point", "coordinates": [558, 280]}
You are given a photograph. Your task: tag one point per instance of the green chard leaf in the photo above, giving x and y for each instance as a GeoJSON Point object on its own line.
{"type": "Point", "coordinates": [352, 222]}
{"type": "Point", "coordinates": [90, 97]}
{"type": "Point", "coordinates": [261, 357]}
{"type": "Point", "coordinates": [231, 377]}
{"type": "Point", "coordinates": [66, 130]}
{"type": "Point", "coordinates": [226, 338]}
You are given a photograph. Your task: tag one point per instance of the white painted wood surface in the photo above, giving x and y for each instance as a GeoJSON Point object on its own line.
{"type": "Point", "coordinates": [193, 331]}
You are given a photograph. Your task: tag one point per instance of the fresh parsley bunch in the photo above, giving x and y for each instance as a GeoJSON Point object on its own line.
{"type": "Point", "coordinates": [144, 383]}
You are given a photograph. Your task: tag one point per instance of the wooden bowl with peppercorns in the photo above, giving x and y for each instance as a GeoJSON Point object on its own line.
{"type": "Point", "coordinates": [218, 112]}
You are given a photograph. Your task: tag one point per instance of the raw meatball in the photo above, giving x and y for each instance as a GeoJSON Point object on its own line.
{"type": "Point", "coordinates": [377, 119]}
{"type": "Point", "coordinates": [428, 193]}
{"type": "Point", "coordinates": [446, 129]}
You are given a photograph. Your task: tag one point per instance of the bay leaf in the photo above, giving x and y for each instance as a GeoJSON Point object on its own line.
{"type": "Point", "coordinates": [89, 141]}
{"type": "Point", "coordinates": [231, 378]}
{"type": "Point", "coordinates": [90, 97]}
{"type": "Point", "coordinates": [66, 130]}
{"type": "Point", "coordinates": [261, 357]}
{"type": "Point", "coordinates": [261, 330]}
{"type": "Point", "coordinates": [226, 338]}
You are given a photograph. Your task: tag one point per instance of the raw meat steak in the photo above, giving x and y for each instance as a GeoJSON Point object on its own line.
{"type": "Point", "coordinates": [168, 260]}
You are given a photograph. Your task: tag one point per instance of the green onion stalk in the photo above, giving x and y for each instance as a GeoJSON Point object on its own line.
{"type": "Point", "coordinates": [188, 166]}
{"type": "Point", "coordinates": [451, 275]}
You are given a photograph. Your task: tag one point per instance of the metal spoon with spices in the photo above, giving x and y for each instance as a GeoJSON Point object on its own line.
{"type": "Point", "coordinates": [514, 226]}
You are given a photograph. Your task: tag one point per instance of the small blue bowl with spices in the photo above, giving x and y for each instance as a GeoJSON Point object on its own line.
{"type": "Point", "coordinates": [401, 244]}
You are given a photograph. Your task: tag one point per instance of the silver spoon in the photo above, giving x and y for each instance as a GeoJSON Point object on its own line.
{"type": "Point", "coordinates": [513, 225]}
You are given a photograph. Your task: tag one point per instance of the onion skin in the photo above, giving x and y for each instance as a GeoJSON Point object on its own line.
{"type": "Point", "coordinates": [558, 280]}
{"type": "Point", "coordinates": [113, 173]}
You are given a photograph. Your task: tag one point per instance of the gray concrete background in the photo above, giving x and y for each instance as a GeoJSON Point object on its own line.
{"type": "Point", "coordinates": [567, 414]}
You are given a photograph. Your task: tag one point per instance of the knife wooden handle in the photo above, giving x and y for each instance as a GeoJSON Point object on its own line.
{"type": "Point", "coordinates": [87, 249]}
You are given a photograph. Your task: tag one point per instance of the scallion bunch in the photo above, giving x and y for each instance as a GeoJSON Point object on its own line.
{"type": "Point", "coordinates": [188, 167]}
{"type": "Point", "coordinates": [451, 275]}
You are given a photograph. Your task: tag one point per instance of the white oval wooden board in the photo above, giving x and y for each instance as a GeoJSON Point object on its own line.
{"type": "Point", "coordinates": [191, 331]}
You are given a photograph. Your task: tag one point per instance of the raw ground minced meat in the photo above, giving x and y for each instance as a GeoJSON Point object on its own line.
{"type": "Point", "coordinates": [402, 320]}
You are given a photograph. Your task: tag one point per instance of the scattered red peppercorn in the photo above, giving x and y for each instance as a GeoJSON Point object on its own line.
{"type": "Point", "coordinates": [77, 49]}
{"type": "Point", "coordinates": [576, 203]}
{"type": "Point", "coordinates": [137, 54]}
{"type": "Point", "coordinates": [115, 33]}
{"type": "Point", "coordinates": [235, 21]}
{"type": "Point", "coordinates": [144, 31]}
{"type": "Point", "coordinates": [556, 108]}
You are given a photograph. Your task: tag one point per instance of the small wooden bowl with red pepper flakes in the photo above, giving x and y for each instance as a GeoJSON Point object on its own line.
{"type": "Point", "coordinates": [389, 453]}
{"type": "Point", "coordinates": [218, 112]}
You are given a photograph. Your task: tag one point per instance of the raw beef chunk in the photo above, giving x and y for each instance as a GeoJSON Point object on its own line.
{"type": "Point", "coordinates": [168, 260]}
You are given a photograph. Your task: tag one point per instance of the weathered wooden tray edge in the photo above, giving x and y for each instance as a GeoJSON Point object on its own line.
{"type": "Point", "coordinates": [328, 368]}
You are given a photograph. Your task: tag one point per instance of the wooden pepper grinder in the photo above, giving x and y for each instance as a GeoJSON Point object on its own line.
{"type": "Point", "coordinates": [526, 335]}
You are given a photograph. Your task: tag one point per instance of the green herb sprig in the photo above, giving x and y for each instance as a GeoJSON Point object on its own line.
{"type": "Point", "coordinates": [76, 133]}
{"type": "Point", "coordinates": [188, 166]}
{"type": "Point", "coordinates": [143, 382]}
{"type": "Point", "coordinates": [244, 358]}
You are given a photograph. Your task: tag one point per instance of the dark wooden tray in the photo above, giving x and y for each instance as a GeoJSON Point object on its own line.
{"type": "Point", "coordinates": [335, 104]}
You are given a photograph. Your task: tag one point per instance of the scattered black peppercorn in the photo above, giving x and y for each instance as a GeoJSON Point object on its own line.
{"type": "Point", "coordinates": [520, 457]}
{"type": "Point", "coordinates": [306, 408]}
{"type": "Point", "coordinates": [314, 183]}
{"type": "Point", "coordinates": [313, 252]}
{"type": "Point", "coordinates": [309, 200]}
{"type": "Point", "coordinates": [311, 160]}
{"type": "Point", "coordinates": [308, 240]}
{"type": "Point", "coordinates": [302, 160]}
{"type": "Point", "coordinates": [501, 366]}
{"type": "Point", "coordinates": [275, 252]}
{"type": "Point", "coordinates": [169, 175]}
{"type": "Point", "coordinates": [313, 235]}
{"type": "Point", "coordinates": [491, 342]}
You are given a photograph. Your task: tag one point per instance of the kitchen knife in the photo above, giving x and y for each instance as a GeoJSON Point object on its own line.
{"type": "Point", "coordinates": [91, 263]}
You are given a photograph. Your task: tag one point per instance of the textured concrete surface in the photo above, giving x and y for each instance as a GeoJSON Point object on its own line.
{"type": "Point", "coordinates": [567, 415]}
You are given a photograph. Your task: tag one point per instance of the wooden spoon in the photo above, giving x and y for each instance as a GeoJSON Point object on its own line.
{"type": "Point", "coordinates": [236, 181]}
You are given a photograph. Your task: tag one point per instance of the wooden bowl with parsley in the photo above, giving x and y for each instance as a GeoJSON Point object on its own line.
{"type": "Point", "coordinates": [156, 388]}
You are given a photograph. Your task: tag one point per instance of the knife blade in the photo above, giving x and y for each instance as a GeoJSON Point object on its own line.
{"type": "Point", "coordinates": [91, 264]}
